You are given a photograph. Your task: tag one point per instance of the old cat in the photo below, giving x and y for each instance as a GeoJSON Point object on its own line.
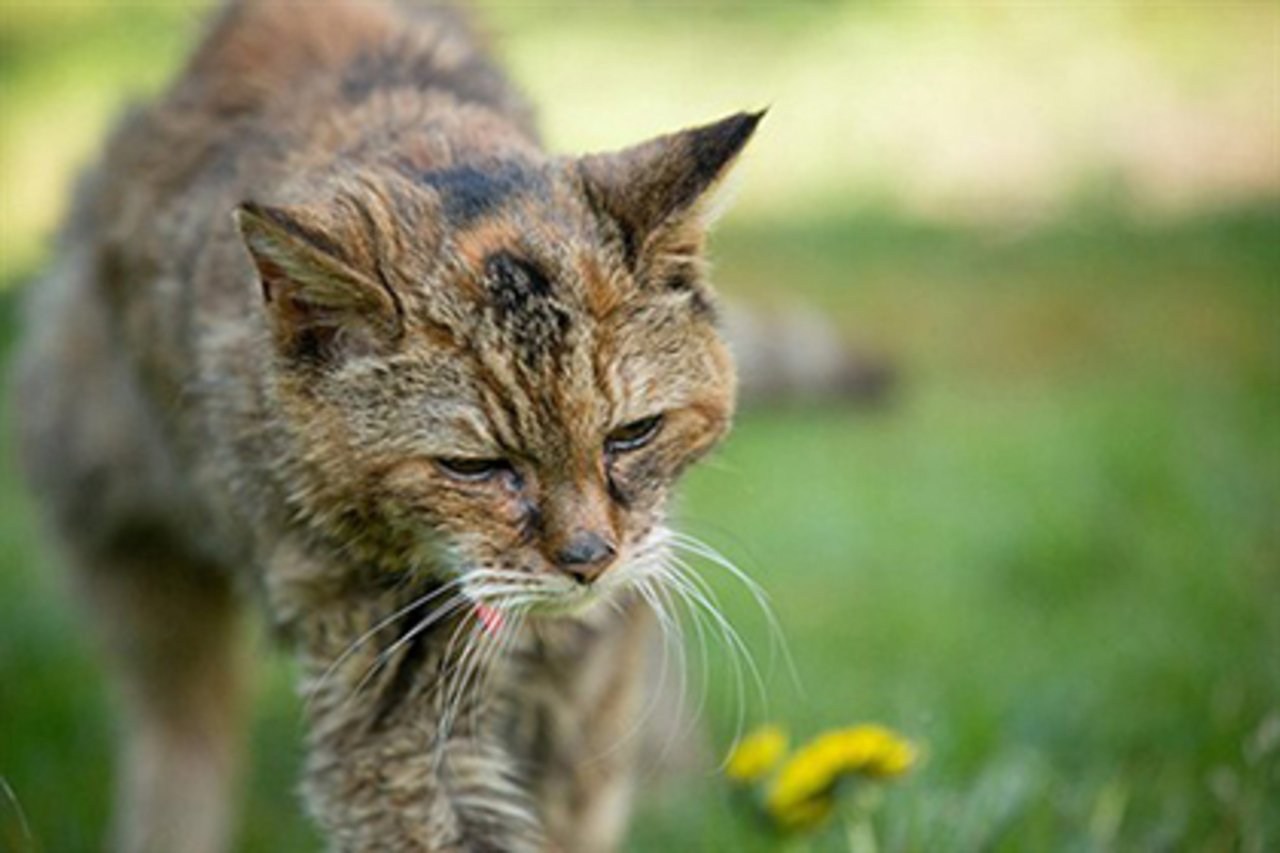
{"type": "Point", "coordinates": [329, 332]}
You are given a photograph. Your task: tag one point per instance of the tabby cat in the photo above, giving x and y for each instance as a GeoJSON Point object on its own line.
{"type": "Point", "coordinates": [330, 333]}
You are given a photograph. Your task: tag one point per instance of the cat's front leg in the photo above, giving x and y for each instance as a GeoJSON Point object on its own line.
{"type": "Point", "coordinates": [402, 691]}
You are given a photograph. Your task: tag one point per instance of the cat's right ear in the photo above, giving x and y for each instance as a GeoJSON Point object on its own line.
{"type": "Point", "coordinates": [319, 307]}
{"type": "Point", "coordinates": [661, 193]}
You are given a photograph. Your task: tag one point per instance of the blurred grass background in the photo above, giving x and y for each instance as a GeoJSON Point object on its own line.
{"type": "Point", "coordinates": [1052, 557]}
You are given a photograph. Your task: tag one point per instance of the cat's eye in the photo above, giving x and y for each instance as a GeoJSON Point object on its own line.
{"type": "Point", "coordinates": [634, 435]}
{"type": "Point", "coordinates": [473, 470]}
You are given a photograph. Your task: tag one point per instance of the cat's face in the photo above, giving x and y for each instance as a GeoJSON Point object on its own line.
{"type": "Point", "coordinates": [502, 368]}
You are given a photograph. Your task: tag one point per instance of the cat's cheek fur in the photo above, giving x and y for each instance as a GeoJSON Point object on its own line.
{"type": "Point", "coordinates": [418, 494]}
{"type": "Point", "coordinates": [642, 481]}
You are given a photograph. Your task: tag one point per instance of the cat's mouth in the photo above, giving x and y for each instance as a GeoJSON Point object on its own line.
{"type": "Point", "coordinates": [547, 599]}
{"type": "Point", "coordinates": [574, 601]}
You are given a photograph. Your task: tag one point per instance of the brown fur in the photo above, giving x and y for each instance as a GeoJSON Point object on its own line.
{"type": "Point", "coordinates": [329, 260]}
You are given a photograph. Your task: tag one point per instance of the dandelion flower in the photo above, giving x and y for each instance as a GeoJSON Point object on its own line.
{"type": "Point", "coordinates": [802, 817]}
{"type": "Point", "coordinates": [756, 754]}
{"type": "Point", "coordinates": [801, 794]}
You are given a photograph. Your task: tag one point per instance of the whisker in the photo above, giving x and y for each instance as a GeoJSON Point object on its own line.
{"type": "Point", "coordinates": [471, 655]}
{"type": "Point", "coordinates": [448, 607]}
{"type": "Point", "coordinates": [500, 589]}
{"type": "Point", "coordinates": [685, 721]}
{"type": "Point", "coordinates": [711, 604]}
{"type": "Point", "coordinates": [444, 685]}
{"type": "Point", "coordinates": [498, 651]}
{"type": "Point", "coordinates": [700, 630]}
{"type": "Point", "coordinates": [474, 671]}
{"type": "Point", "coordinates": [314, 690]}
{"type": "Point", "coordinates": [738, 651]}
{"type": "Point", "coordinates": [654, 583]}
{"type": "Point", "coordinates": [655, 573]}
{"type": "Point", "coordinates": [777, 637]}
{"type": "Point", "coordinates": [643, 588]}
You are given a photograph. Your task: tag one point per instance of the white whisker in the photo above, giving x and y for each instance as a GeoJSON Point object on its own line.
{"type": "Point", "coordinates": [646, 592]}
{"type": "Point", "coordinates": [449, 606]}
{"type": "Point", "coordinates": [314, 690]}
{"type": "Point", "coordinates": [690, 589]}
{"type": "Point", "coordinates": [777, 638]}
{"type": "Point", "coordinates": [706, 597]}
{"type": "Point", "coordinates": [444, 686]}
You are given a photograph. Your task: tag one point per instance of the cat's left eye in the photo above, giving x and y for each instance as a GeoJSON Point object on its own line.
{"type": "Point", "coordinates": [634, 435]}
{"type": "Point", "coordinates": [473, 470]}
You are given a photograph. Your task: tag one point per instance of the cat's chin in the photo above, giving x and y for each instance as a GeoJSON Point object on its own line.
{"type": "Point", "coordinates": [579, 602]}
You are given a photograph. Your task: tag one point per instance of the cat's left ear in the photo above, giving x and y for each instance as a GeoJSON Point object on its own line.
{"type": "Point", "coordinates": [661, 193]}
{"type": "Point", "coordinates": [319, 306]}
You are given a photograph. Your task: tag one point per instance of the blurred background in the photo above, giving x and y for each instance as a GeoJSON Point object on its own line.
{"type": "Point", "coordinates": [1050, 553]}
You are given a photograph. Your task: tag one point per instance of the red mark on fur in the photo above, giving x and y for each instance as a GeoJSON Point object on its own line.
{"type": "Point", "coordinates": [491, 618]}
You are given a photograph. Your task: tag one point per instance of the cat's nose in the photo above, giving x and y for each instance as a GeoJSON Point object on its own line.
{"type": "Point", "coordinates": [585, 556]}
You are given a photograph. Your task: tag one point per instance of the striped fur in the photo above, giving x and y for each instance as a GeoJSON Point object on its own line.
{"type": "Point", "coordinates": [328, 263]}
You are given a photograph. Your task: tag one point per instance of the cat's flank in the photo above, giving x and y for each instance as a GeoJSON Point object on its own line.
{"type": "Point", "coordinates": [330, 334]}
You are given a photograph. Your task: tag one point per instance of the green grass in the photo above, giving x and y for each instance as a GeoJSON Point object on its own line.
{"type": "Point", "coordinates": [1051, 559]}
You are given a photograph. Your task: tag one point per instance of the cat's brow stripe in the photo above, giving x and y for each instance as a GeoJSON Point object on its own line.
{"type": "Point", "coordinates": [471, 192]}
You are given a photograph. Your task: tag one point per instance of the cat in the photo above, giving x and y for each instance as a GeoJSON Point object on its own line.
{"type": "Point", "coordinates": [329, 334]}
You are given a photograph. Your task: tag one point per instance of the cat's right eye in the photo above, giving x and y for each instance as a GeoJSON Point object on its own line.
{"type": "Point", "coordinates": [473, 470]}
{"type": "Point", "coordinates": [634, 435]}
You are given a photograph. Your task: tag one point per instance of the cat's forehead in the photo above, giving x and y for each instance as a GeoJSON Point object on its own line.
{"type": "Point", "coordinates": [557, 330]}
{"type": "Point", "coordinates": [522, 255]}
{"type": "Point", "coordinates": [553, 354]}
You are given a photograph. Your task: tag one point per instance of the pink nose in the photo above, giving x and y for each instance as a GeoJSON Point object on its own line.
{"type": "Point", "coordinates": [585, 556]}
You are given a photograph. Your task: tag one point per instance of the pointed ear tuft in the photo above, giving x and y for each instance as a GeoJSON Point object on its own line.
{"type": "Point", "coordinates": [319, 306]}
{"type": "Point", "coordinates": [666, 179]}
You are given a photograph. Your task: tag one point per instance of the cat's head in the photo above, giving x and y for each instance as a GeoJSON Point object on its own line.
{"type": "Point", "coordinates": [501, 367]}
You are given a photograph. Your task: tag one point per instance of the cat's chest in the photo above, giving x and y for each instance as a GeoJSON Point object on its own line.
{"type": "Point", "coordinates": [566, 682]}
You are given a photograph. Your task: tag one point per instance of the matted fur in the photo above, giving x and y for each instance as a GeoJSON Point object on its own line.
{"type": "Point", "coordinates": [328, 263]}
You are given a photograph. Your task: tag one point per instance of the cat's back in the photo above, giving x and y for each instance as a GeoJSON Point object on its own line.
{"type": "Point", "coordinates": [276, 89]}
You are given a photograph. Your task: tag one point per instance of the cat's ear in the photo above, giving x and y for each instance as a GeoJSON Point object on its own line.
{"type": "Point", "coordinates": [666, 185]}
{"type": "Point", "coordinates": [319, 307]}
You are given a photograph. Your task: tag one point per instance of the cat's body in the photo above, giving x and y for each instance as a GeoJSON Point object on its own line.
{"type": "Point", "coordinates": [420, 399]}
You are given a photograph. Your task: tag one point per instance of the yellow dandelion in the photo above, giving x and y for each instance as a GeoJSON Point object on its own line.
{"type": "Point", "coordinates": [801, 793]}
{"type": "Point", "coordinates": [756, 754]}
{"type": "Point", "coordinates": [808, 815]}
